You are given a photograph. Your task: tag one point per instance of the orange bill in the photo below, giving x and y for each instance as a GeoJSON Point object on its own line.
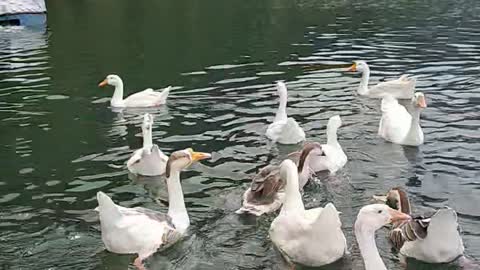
{"type": "Point", "coordinates": [422, 102]}
{"type": "Point", "coordinates": [397, 216]}
{"type": "Point", "coordinates": [103, 83]}
{"type": "Point", "coordinates": [353, 67]}
{"type": "Point", "coordinates": [196, 156]}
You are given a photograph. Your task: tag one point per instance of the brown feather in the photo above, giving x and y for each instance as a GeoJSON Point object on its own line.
{"type": "Point", "coordinates": [404, 201]}
{"type": "Point", "coordinates": [307, 148]}
{"type": "Point", "coordinates": [174, 156]}
{"type": "Point", "coordinates": [405, 231]}
{"type": "Point", "coordinates": [266, 184]}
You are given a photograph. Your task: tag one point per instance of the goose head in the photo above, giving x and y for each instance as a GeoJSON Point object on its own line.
{"type": "Point", "coordinates": [397, 199]}
{"type": "Point", "coordinates": [147, 122]}
{"type": "Point", "coordinates": [103, 200]}
{"type": "Point", "coordinates": [113, 80]}
{"type": "Point", "coordinates": [374, 216]}
{"type": "Point", "coordinates": [282, 90]}
{"type": "Point", "coordinates": [181, 159]}
{"type": "Point", "coordinates": [359, 66]}
{"type": "Point", "coordinates": [334, 122]}
{"type": "Point", "coordinates": [419, 100]}
{"type": "Point", "coordinates": [309, 152]}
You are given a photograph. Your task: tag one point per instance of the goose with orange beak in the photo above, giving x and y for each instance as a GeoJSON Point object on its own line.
{"type": "Point", "coordinates": [370, 219]}
{"type": "Point", "coordinates": [143, 231]}
{"type": "Point", "coordinates": [401, 88]}
{"type": "Point", "coordinates": [145, 98]}
{"type": "Point", "coordinates": [397, 125]}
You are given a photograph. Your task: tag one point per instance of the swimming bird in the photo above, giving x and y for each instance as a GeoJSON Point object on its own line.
{"type": "Point", "coordinates": [401, 88]}
{"type": "Point", "coordinates": [311, 237]}
{"type": "Point", "coordinates": [145, 98]}
{"type": "Point", "coordinates": [143, 231]}
{"type": "Point", "coordinates": [148, 160]}
{"type": "Point", "coordinates": [334, 158]}
{"type": "Point", "coordinates": [284, 129]}
{"type": "Point", "coordinates": [433, 239]}
{"type": "Point", "coordinates": [266, 193]}
{"type": "Point", "coordinates": [397, 125]}
{"type": "Point", "coordinates": [369, 219]}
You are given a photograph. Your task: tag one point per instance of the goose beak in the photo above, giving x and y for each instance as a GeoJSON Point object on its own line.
{"type": "Point", "coordinates": [103, 83]}
{"type": "Point", "coordinates": [421, 102]}
{"type": "Point", "coordinates": [379, 198]}
{"type": "Point", "coordinates": [397, 216]}
{"type": "Point", "coordinates": [196, 156]}
{"type": "Point", "coordinates": [353, 67]}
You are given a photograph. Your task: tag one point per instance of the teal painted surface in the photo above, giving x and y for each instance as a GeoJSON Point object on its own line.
{"type": "Point", "coordinates": [26, 19]}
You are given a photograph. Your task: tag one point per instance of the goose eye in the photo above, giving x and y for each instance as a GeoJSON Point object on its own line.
{"type": "Point", "coordinates": [380, 211]}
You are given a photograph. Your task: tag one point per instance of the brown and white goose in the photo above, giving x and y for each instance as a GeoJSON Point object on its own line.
{"type": "Point", "coordinates": [143, 231]}
{"type": "Point", "coordinates": [435, 239]}
{"type": "Point", "coordinates": [266, 193]}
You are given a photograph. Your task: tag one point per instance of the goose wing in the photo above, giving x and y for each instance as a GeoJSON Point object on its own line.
{"type": "Point", "coordinates": [266, 183]}
{"type": "Point", "coordinates": [409, 231]}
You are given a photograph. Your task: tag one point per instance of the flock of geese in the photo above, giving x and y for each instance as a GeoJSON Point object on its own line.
{"type": "Point", "coordinates": [309, 237]}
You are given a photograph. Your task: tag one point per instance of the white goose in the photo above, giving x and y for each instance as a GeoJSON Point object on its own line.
{"type": "Point", "coordinates": [435, 239]}
{"type": "Point", "coordinates": [145, 98]}
{"type": "Point", "coordinates": [267, 190]}
{"type": "Point", "coordinates": [369, 219]}
{"type": "Point", "coordinates": [401, 88]}
{"type": "Point", "coordinates": [284, 129]}
{"type": "Point", "coordinates": [143, 231]}
{"type": "Point", "coordinates": [334, 158]}
{"type": "Point", "coordinates": [311, 237]}
{"type": "Point", "coordinates": [397, 125]}
{"type": "Point", "coordinates": [148, 160]}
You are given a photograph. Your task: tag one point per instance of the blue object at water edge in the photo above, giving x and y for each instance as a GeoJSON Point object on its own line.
{"type": "Point", "coordinates": [24, 19]}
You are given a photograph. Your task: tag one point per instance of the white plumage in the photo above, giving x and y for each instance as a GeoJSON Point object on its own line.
{"type": "Point", "coordinates": [309, 237]}
{"type": "Point", "coordinates": [145, 98]}
{"type": "Point", "coordinates": [284, 129]}
{"type": "Point", "coordinates": [401, 88]}
{"type": "Point", "coordinates": [148, 160]}
{"type": "Point", "coordinates": [397, 125]}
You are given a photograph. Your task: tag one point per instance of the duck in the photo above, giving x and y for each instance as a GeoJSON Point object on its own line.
{"type": "Point", "coordinates": [145, 98]}
{"type": "Point", "coordinates": [284, 129]}
{"type": "Point", "coordinates": [148, 160]}
{"type": "Point", "coordinates": [312, 237]}
{"type": "Point", "coordinates": [334, 158]}
{"type": "Point", "coordinates": [433, 239]}
{"type": "Point", "coordinates": [401, 88]}
{"type": "Point", "coordinates": [143, 231]}
{"type": "Point", "coordinates": [267, 189]}
{"type": "Point", "coordinates": [397, 125]}
{"type": "Point", "coordinates": [371, 218]}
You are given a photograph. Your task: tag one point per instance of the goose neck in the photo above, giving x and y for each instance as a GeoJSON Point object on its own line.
{"type": "Point", "coordinates": [281, 114]}
{"type": "Point", "coordinates": [118, 93]}
{"type": "Point", "coordinates": [368, 247]}
{"type": "Point", "coordinates": [415, 131]}
{"type": "Point", "coordinates": [332, 136]}
{"type": "Point", "coordinates": [293, 199]}
{"type": "Point", "coordinates": [363, 87]}
{"type": "Point", "coordinates": [177, 209]}
{"type": "Point", "coordinates": [147, 138]}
